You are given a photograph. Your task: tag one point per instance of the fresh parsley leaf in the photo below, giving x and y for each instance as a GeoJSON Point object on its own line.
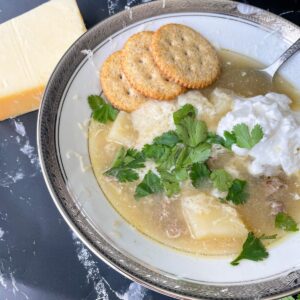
{"type": "Point", "coordinates": [119, 157]}
{"type": "Point", "coordinates": [156, 152]}
{"type": "Point", "coordinates": [256, 134]}
{"type": "Point", "coordinates": [198, 174]}
{"type": "Point", "coordinates": [289, 298]}
{"type": "Point", "coordinates": [184, 111]}
{"type": "Point", "coordinates": [285, 222]}
{"type": "Point", "coordinates": [181, 157]}
{"type": "Point", "coordinates": [124, 165]}
{"type": "Point", "coordinates": [253, 249]}
{"type": "Point", "coordinates": [169, 138]}
{"type": "Point", "coordinates": [199, 154]}
{"type": "Point", "coordinates": [174, 158]}
{"type": "Point", "coordinates": [170, 183]}
{"type": "Point", "coordinates": [134, 159]}
{"type": "Point", "coordinates": [221, 179]}
{"type": "Point", "coordinates": [181, 174]}
{"type": "Point", "coordinates": [151, 184]}
{"type": "Point", "coordinates": [213, 138]}
{"type": "Point", "coordinates": [101, 111]}
{"type": "Point", "coordinates": [230, 139]}
{"type": "Point", "coordinates": [192, 132]}
{"type": "Point", "coordinates": [237, 192]}
{"type": "Point", "coordinates": [243, 137]}
{"type": "Point", "coordinates": [126, 175]}
{"type": "Point", "coordinates": [171, 188]}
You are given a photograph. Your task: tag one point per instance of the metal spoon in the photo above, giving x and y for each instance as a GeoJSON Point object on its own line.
{"type": "Point", "coordinates": [250, 82]}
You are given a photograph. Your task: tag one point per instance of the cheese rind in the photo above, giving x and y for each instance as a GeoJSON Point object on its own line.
{"type": "Point", "coordinates": [31, 46]}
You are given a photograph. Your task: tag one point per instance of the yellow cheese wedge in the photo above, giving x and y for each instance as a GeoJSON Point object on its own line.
{"type": "Point", "coordinates": [30, 47]}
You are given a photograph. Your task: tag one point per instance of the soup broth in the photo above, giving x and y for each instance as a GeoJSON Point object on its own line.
{"type": "Point", "coordinates": [162, 218]}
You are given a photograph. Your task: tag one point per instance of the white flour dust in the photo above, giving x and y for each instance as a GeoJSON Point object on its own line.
{"type": "Point", "coordinates": [101, 286]}
{"type": "Point", "coordinates": [113, 6]}
{"type": "Point", "coordinates": [134, 292]}
{"type": "Point", "coordinates": [11, 177]}
{"type": "Point", "coordinates": [131, 2]}
{"type": "Point", "coordinates": [20, 129]}
{"type": "Point", "coordinates": [93, 273]}
{"type": "Point", "coordinates": [2, 281]}
{"type": "Point", "coordinates": [15, 289]}
{"type": "Point", "coordinates": [29, 151]}
{"type": "Point", "coordinates": [11, 285]}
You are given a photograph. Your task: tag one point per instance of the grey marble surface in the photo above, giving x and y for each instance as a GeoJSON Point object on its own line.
{"type": "Point", "coordinates": [40, 258]}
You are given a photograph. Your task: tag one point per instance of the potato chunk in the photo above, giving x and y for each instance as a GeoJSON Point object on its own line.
{"type": "Point", "coordinates": [222, 101]}
{"type": "Point", "coordinates": [122, 131]}
{"type": "Point", "coordinates": [207, 217]}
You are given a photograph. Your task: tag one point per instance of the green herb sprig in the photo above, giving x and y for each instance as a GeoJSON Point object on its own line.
{"type": "Point", "coordinates": [253, 249]}
{"type": "Point", "coordinates": [101, 111]}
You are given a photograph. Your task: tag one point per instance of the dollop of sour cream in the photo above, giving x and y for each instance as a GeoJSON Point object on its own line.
{"type": "Point", "coordinates": [280, 145]}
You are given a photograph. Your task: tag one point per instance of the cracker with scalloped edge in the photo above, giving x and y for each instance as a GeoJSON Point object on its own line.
{"type": "Point", "coordinates": [142, 72]}
{"type": "Point", "coordinates": [116, 87]}
{"type": "Point", "coordinates": [184, 56]}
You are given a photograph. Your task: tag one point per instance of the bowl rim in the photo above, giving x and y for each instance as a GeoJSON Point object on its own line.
{"type": "Point", "coordinates": [47, 127]}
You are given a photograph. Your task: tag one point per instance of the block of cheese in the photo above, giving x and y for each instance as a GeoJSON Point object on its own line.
{"type": "Point", "coordinates": [30, 47]}
{"type": "Point", "coordinates": [207, 217]}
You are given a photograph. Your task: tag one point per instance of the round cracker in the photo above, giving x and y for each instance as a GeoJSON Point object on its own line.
{"type": "Point", "coordinates": [116, 87]}
{"type": "Point", "coordinates": [185, 56]}
{"type": "Point", "coordinates": [142, 72]}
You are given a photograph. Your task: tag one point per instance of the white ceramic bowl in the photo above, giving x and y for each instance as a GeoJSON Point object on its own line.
{"type": "Point", "coordinates": [63, 150]}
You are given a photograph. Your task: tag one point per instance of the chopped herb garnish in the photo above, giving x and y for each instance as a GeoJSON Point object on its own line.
{"type": "Point", "coordinates": [285, 222]}
{"type": "Point", "coordinates": [171, 160]}
{"type": "Point", "coordinates": [181, 157]}
{"type": "Point", "coordinates": [213, 138]}
{"type": "Point", "coordinates": [184, 111]}
{"type": "Point", "coordinates": [124, 165]}
{"type": "Point", "coordinates": [156, 152]}
{"type": "Point", "coordinates": [253, 249]}
{"type": "Point", "coordinates": [199, 174]}
{"type": "Point", "coordinates": [169, 138]}
{"type": "Point", "coordinates": [237, 192]}
{"type": "Point", "coordinates": [200, 154]}
{"type": "Point", "coordinates": [102, 111]}
{"type": "Point", "coordinates": [151, 184]}
{"type": "Point", "coordinates": [191, 132]}
{"type": "Point", "coordinates": [230, 139]}
{"type": "Point", "coordinates": [181, 174]}
{"type": "Point", "coordinates": [221, 179]}
{"type": "Point", "coordinates": [245, 139]}
{"type": "Point", "coordinates": [170, 182]}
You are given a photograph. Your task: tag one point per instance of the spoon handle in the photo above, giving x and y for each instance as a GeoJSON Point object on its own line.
{"type": "Point", "coordinates": [272, 69]}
